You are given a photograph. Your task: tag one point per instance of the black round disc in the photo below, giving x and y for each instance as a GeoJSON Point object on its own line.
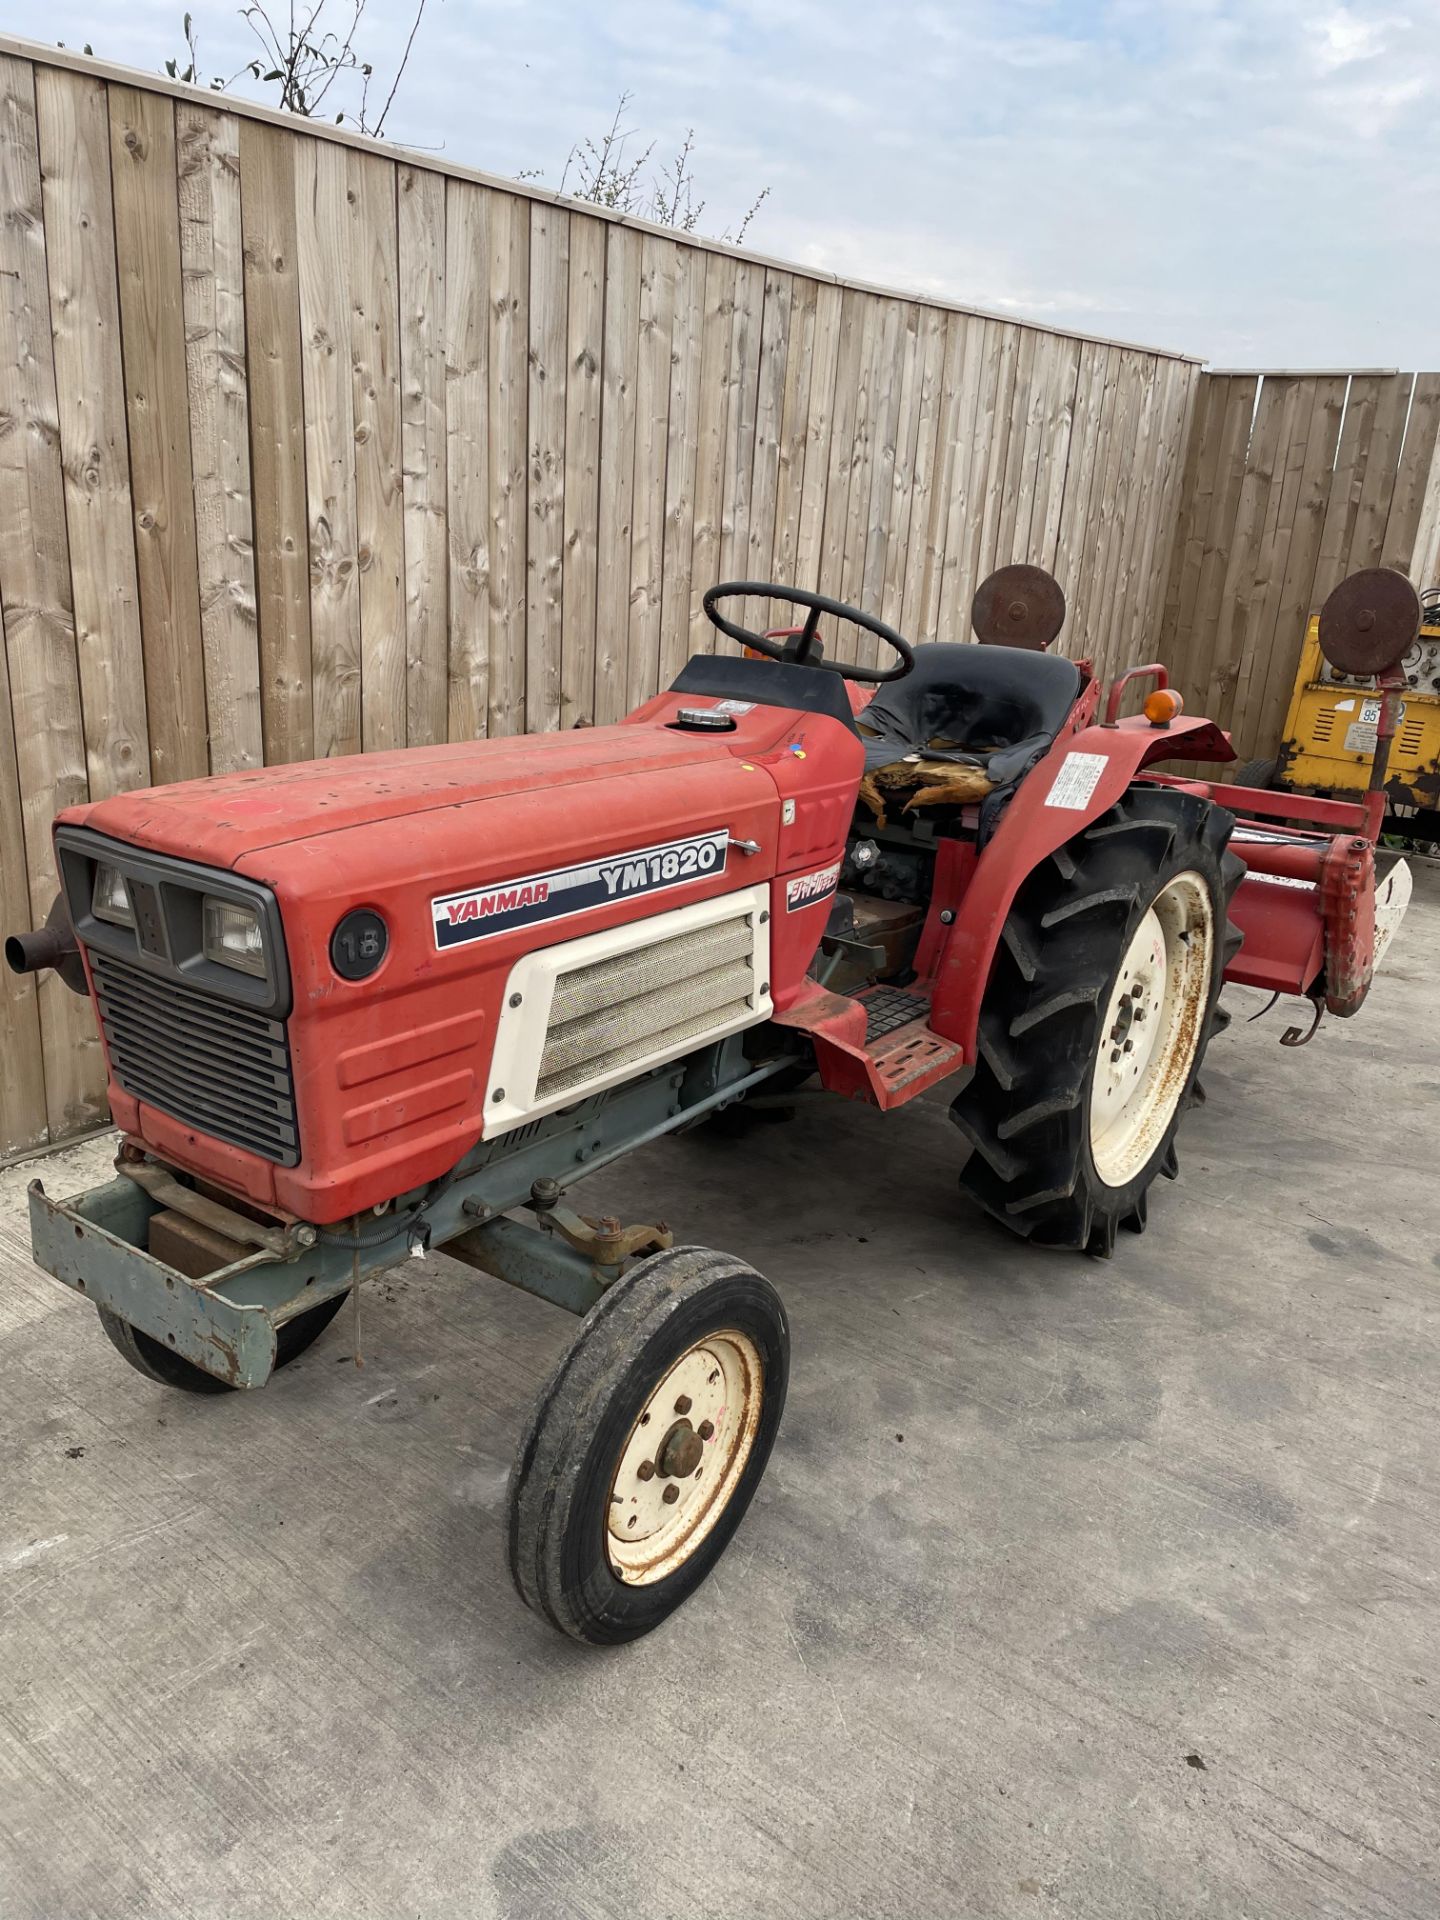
{"type": "Point", "coordinates": [358, 944]}
{"type": "Point", "coordinates": [1369, 622]}
{"type": "Point", "coordinates": [1018, 606]}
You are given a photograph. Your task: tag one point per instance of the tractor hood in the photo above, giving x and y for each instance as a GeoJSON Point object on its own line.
{"type": "Point", "coordinates": [220, 821]}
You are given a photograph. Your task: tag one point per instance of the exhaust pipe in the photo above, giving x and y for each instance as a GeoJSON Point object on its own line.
{"type": "Point", "coordinates": [53, 945]}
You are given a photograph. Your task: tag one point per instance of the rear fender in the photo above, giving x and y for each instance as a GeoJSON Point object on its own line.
{"type": "Point", "coordinates": [1081, 777]}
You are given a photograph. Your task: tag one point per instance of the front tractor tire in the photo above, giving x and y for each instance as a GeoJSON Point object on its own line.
{"type": "Point", "coordinates": [1103, 997]}
{"type": "Point", "coordinates": [647, 1445]}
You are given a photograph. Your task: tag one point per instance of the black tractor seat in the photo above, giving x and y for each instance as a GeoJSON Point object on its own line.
{"type": "Point", "coordinates": [998, 708]}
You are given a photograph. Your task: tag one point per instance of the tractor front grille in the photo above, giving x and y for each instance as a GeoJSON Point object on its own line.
{"type": "Point", "coordinates": [652, 1000]}
{"type": "Point", "coordinates": [221, 1068]}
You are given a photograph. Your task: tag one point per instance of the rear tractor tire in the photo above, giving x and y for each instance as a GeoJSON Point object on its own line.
{"type": "Point", "coordinates": [1102, 1000]}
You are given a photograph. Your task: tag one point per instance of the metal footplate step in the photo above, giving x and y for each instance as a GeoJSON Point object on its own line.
{"type": "Point", "coordinates": [905, 1056]}
{"type": "Point", "coordinates": [887, 1008]}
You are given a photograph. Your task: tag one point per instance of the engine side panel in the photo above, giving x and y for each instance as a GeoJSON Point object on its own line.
{"type": "Point", "coordinates": [393, 1073]}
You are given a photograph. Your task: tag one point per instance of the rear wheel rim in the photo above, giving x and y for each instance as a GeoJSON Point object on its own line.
{"type": "Point", "coordinates": [675, 1479]}
{"type": "Point", "coordinates": [1151, 1029]}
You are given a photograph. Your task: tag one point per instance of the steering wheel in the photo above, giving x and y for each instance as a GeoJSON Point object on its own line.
{"type": "Point", "coordinates": [802, 649]}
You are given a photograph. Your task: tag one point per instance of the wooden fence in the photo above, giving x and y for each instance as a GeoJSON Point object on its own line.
{"type": "Point", "coordinates": [1292, 481]}
{"type": "Point", "coordinates": [307, 448]}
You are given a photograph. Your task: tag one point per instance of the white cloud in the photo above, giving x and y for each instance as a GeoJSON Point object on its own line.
{"type": "Point", "coordinates": [1345, 38]}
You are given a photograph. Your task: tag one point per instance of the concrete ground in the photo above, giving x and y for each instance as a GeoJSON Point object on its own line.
{"type": "Point", "coordinates": [1073, 1588]}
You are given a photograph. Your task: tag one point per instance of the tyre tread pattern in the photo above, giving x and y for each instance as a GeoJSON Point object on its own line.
{"type": "Point", "coordinates": [1024, 1111]}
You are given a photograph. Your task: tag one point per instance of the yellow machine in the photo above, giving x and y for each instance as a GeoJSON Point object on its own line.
{"type": "Point", "coordinates": [1328, 745]}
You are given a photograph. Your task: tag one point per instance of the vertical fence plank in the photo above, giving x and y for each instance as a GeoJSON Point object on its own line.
{"type": "Point", "coordinates": [710, 443]}
{"type": "Point", "coordinates": [904, 439]}
{"type": "Point", "coordinates": [1106, 557]}
{"type": "Point", "coordinates": [878, 319]}
{"type": "Point", "coordinates": [1142, 479]}
{"type": "Point", "coordinates": [792, 436]}
{"type": "Point", "coordinates": [1197, 488]}
{"type": "Point", "coordinates": [147, 239]}
{"type": "Point", "coordinates": [583, 403]}
{"type": "Point", "coordinates": [35, 597]}
{"type": "Point", "coordinates": [769, 424]}
{"type": "Point", "coordinates": [743, 382]}
{"type": "Point", "coordinates": [1022, 446]}
{"type": "Point", "coordinates": [846, 435]}
{"type": "Point", "coordinates": [74, 144]}
{"type": "Point", "coordinates": [23, 1122]}
{"type": "Point", "coordinates": [934, 339]}
{"type": "Point", "coordinates": [950, 470]}
{"type": "Point", "coordinates": [277, 438]}
{"type": "Point", "coordinates": [212, 262]}
{"type": "Point", "coordinates": [1057, 427]}
{"type": "Point", "coordinates": [999, 402]}
{"type": "Point", "coordinates": [322, 242]}
{"type": "Point", "coordinates": [617, 471]}
{"type": "Point", "coordinates": [658, 267]}
{"type": "Point", "coordinates": [509, 432]}
{"type": "Point", "coordinates": [1372, 514]}
{"type": "Point", "coordinates": [1160, 539]}
{"type": "Point", "coordinates": [1417, 459]}
{"type": "Point", "coordinates": [867, 542]}
{"type": "Point", "coordinates": [379, 496]}
{"type": "Point", "coordinates": [819, 436]}
{"type": "Point", "coordinates": [545, 539]}
{"type": "Point", "coordinates": [1071, 558]}
{"type": "Point", "coordinates": [949, 541]}
{"type": "Point", "coordinates": [1365, 402]}
{"type": "Point", "coordinates": [1425, 566]}
{"type": "Point", "coordinates": [687, 347]}
{"type": "Point", "coordinates": [467, 453]}
{"type": "Point", "coordinates": [422, 450]}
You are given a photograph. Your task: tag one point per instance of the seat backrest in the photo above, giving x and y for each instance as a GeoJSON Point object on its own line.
{"type": "Point", "coordinates": [980, 698]}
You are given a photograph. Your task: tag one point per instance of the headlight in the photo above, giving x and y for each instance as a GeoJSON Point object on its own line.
{"type": "Point", "coordinates": [233, 936]}
{"type": "Point", "coordinates": [110, 900]}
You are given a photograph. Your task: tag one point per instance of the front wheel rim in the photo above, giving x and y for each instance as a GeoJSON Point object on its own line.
{"type": "Point", "coordinates": [675, 1479]}
{"type": "Point", "coordinates": [1151, 1029]}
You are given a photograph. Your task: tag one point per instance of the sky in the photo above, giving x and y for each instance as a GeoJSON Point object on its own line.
{"type": "Point", "coordinates": [1255, 183]}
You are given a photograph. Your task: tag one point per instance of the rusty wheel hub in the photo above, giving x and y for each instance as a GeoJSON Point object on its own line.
{"type": "Point", "coordinates": [681, 1452]}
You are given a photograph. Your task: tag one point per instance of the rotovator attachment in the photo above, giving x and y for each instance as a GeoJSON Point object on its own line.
{"type": "Point", "coordinates": [371, 1008]}
{"type": "Point", "coordinates": [1316, 919]}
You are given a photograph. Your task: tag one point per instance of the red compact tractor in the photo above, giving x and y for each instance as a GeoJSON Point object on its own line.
{"type": "Point", "coordinates": [366, 1007]}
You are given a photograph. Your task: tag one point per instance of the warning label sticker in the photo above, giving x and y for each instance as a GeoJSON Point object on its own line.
{"type": "Point", "coordinates": [481, 911]}
{"type": "Point", "coordinates": [806, 888]}
{"type": "Point", "coordinates": [1076, 781]}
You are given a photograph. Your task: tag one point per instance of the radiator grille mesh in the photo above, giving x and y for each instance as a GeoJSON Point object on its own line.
{"type": "Point", "coordinates": [222, 1068]}
{"type": "Point", "coordinates": [613, 1012]}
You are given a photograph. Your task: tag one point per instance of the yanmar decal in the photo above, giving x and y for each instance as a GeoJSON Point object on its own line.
{"type": "Point", "coordinates": [481, 911]}
{"type": "Point", "coordinates": [807, 888]}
